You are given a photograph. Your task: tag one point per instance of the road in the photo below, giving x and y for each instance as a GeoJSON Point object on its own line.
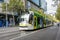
{"type": "Point", "coordinates": [50, 33]}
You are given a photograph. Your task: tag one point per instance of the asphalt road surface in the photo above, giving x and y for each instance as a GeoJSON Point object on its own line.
{"type": "Point", "coordinates": [50, 33]}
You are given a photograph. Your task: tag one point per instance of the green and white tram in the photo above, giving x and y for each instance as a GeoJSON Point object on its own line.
{"type": "Point", "coordinates": [32, 20]}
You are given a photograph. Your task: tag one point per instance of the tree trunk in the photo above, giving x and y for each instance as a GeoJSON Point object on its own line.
{"type": "Point", "coordinates": [6, 17]}
{"type": "Point", "coordinates": [19, 15]}
{"type": "Point", "coordinates": [13, 19]}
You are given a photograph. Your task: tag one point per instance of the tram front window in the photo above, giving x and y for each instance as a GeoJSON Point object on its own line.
{"type": "Point", "coordinates": [30, 19]}
{"type": "Point", "coordinates": [24, 20]}
{"type": "Point", "coordinates": [21, 19]}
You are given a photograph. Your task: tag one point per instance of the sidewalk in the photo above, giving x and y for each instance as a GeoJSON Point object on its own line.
{"type": "Point", "coordinates": [8, 29]}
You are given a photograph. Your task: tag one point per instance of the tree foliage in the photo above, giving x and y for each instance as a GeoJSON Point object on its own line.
{"type": "Point", "coordinates": [14, 5]}
{"type": "Point", "coordinates": [4, 6]}
{"type": "Point", "coordinates": [58, 12]}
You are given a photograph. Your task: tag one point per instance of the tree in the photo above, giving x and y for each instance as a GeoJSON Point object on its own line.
{"type": "Point", "coordinates": [14, 6]}
{"type": "Point", "coordinates": [58, 12]}
{"type": "Point", "coordinates": [4, 6]}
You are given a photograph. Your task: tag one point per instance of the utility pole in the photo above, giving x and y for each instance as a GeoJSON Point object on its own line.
{"type": "Point", "coordinates": [6, 16]}
{"type": "Point", "coordinates": [13, 18]}
{"type": "Point", "coordinates": [6, 1]}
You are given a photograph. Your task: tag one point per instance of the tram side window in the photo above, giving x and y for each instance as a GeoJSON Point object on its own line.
{"type": "Point", "coordinates": [34, 21]}
{"type": "Point", "coordinates": [49, 22]}
{"type": "Point", "coordinates": [30, 18]}
{"type": "Point", "coordinates": [46, 21]}
{"type": "Point", "coordinates": [38, 20]}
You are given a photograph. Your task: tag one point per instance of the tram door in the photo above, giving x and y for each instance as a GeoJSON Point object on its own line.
{"type": "Point", "coordinates": [35, 22]}
{"type": "Point", "coordinates": [41, 22]}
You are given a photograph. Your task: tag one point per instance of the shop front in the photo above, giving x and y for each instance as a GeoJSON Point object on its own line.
{"type": "Point", "coordinates": [10, 20]}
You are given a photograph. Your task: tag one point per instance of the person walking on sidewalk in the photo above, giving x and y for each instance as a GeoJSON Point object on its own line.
{"type": "Point", "coordinates": [58, 24]}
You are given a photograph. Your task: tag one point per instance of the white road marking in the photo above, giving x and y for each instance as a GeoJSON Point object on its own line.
{"type": "Point", "coordinates": [23, 35]}
{"type": "Point", "coordinates": [53, 27]}
{"type": "Point", "coordinates": [7, 34]}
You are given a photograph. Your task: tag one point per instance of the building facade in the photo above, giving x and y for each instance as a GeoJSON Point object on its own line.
{"type": "Point", "coordinates": [44, 5]}
{"type": "Point", "coordinates": [36, 4]}
{"type": "Point", "coordinates": [32, 4]}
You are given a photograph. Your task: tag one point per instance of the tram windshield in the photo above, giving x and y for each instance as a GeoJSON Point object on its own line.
{"type": "Point", "coordinates": [24, 17]}
{"type": "Point", "coordinates": [27, 18]}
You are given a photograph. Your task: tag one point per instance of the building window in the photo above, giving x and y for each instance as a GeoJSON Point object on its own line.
{"type": "Point", "coordinates": [29, 5]}
{"type": "Point", "coordinates": [36, 1]}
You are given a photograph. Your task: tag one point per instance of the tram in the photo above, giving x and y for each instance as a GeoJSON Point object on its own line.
{"type": "Point", "coordinates": [32, 20]}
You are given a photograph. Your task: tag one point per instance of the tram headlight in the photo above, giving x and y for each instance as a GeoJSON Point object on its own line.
{"type": "Point", "coordinates": [22, 24]}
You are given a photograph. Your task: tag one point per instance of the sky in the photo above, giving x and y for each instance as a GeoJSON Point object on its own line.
{"type": "Point", "coordinates": [50, 8]}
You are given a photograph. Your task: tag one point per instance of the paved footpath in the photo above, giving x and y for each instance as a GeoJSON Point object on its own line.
{"type": "Point", "coordinates": [8, 29]}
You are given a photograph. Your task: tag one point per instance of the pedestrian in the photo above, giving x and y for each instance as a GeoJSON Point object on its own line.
{"type": "Point", "coordinates": [58, 24]}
